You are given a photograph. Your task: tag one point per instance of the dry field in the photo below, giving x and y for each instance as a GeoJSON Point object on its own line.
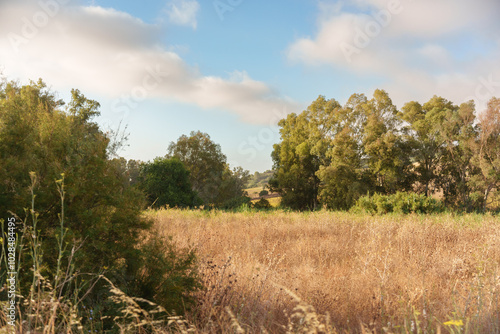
{"type": "Point", "coordinates": [359, 273]}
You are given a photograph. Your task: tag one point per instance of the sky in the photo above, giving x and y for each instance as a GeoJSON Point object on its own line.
{"type": "Point", "coordinates": [234, 68]}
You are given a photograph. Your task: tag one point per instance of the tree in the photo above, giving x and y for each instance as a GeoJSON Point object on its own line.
{"type": "Point", "coordinates": [263, 193]}
{"type": "Point", "coordinates": [204, 160]}
{"type": "Point", "coordinates": [262, 204]}
{"type": "Point", "coordinates": [344, 180]}
{"type": "Point", "coordinates": [384, 151]}
{"type": "Point", "coordinates": [319, 156]}
{"type": "Point", "coordinates": [487, 153]}
{"type": "Point", "coordinates": [457, 170]}
{"type": "Point", "coordinates": [42, 138]}
{"type": "Point", "coordinates": [130, 169]}
{"type": "Point", "coordinates": [425, 138]}
{"type": "Point", "coordinates": [210, 174]}
{"type": "Point", "coordinates": [102, 213]}
{"type": "Point", "coordinates": [298, 156]}
{"type": "Point", "coordinates": [166, 182]}
{"type": "Point", "coordinates": [232, 188]}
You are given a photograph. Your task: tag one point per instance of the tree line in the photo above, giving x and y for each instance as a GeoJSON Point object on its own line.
{"type": "Point", "coordinates": [330, 155]}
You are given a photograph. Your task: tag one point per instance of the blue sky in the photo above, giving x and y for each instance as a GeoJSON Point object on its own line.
{"type": "Point", "coordinates": [233, 68]}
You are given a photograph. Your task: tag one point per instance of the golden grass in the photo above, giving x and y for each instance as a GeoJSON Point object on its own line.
{"type": "Point", "coordinates": [274, 201]}
{"type": "Point", "coordinates": [390, 273]}
{"type": "Point", "coordinates": [254, 192]}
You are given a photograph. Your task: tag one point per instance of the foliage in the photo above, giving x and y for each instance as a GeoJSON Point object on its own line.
{"type": "Point", "coordinates": [236, 203]}
{"type": "Point", "coordinates": [300, 154]}
{"type": "Point", "coordinates": [130, 169]}
{"type": "Point", "coordinates": [263, 193]}
{"type": "Point", "coordinates": [330, 155]}
{"type": "Point", "coordinates": [400, 202]}
{"type": "Point", "coordinates": [441, 136]}
{"type": "Point", "coordinates": [487, 147]}
{"type": "Point", "coordinates": [204, 160]}
{"type": "Point", "coordinates": [232, 187]}
{"type": "Point", "coordinates": [262, 204]}
{"type": "Point", "coordinates": [42, 138]}
{"type": "Point", "coordinates": [210, 175]}
{"type": "Point", "coordinates": [259, 179]}
{"type": "Point", "coordinates": [166, 182]}
{"type": "Point", "coordinates": [103, 213]}
{"type": "Point", "coordinates": [169, 275]}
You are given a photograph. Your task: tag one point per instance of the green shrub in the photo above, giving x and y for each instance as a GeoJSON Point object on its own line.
{"type": "Point", "coordinates": [262, 204]}
{"type": "Point", "coordinates": [400, 202]}
{"type": "Point", "coordinates": [168, 275]}
{"type": "Point", "coordinates": [263, 193]}
{"type": "Point", "coordinates": [236, 202]}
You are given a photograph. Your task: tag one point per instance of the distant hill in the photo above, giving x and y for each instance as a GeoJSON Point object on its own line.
{"type": "Point", "coordinates": [259, 179]}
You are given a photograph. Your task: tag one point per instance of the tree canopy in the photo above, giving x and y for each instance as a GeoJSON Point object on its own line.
{"type": "Point", "coordinates": [166, 182]}
{"type": "Point", "coordinates": [209, 173]}
{"type": "Point", "coordinates": [330, 155]}
{"type": "Point", "coordinates": [45, 144]}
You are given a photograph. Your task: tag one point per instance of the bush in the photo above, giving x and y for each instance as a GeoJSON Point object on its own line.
{"type": "Point", "coordinates": [400, 202]}
{"type": "Point", "coordinates": [40, 140]}
{"type": "Point", "coordinates": [236, 202]}
{"type": "Point", "coordinates": [262, 204]}
{"type": "Point", "coordinates": [168, 275]}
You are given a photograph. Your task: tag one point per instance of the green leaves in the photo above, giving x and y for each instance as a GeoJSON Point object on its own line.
{"type": "Point", "coordinates": [330, 155]}
{"type": "Point", "coordinates": [102, 212]}
{"type": "Point", "coordinates": [166, 182]}
{"type": "Point", "coordinates": [209, 174]}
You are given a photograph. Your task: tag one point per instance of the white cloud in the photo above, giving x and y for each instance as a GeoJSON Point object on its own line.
{"type": "Point", "coordinates": [182, 12]}
{"type": "Point", "coordinates": [417, 47]}
{"type": "Point", "coordinates": [118, 56]}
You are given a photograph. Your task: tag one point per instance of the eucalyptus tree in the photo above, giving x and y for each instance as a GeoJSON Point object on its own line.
{"type": "Point", "coordinates": [487, 157]}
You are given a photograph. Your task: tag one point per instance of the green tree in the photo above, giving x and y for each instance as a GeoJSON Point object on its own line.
{"type": "Point", "coordinates": [130, 169]}
{"type": "Point", "coordinates": [263, 192]}
{"type": "Point", "coordinates": [384, 151]}
{"type": "Point", "coordinates": [487, 151]}
{"type": "Point", "coordinates": [319, 158]}
{"type": "Point", "coordinates": [262, 204]}
{"type": "Point", "coordinates": [343, 178]}
{"type": "Point", "coordinates": [103, 214]}
{"type": "Point", "coordinates": [426, 140]}
{"type": "Point", "coordinates": [456, 171]}
{"type": "Point", "coordinates": [210, 174]}
{"type": "Point", "coordinates": [301, 152]}
{"type": "Point", "coordinates": [204, 160]}
{"type": "Point", "coordinates": [166, 182]}
{"type": "Point", "coordinates": [231, 191]}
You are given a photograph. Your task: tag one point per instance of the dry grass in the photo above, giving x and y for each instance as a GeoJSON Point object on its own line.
{"type": "Point", "coordinates": [273, 198]}
{"type": "Point", "coordinates": [391, 273]}
{"type": "Point", "coordinates": [274, 201]}
{"type": "Point", "coordinates": [254, 192]}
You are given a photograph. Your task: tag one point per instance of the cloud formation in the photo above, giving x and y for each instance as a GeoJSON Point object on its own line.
{"type": "Point", "coordinates": [182, 12]}
{"type": "Point", "coordinates": [114, 54]}
{"type": "Point", "coordinates": [419, 48]}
